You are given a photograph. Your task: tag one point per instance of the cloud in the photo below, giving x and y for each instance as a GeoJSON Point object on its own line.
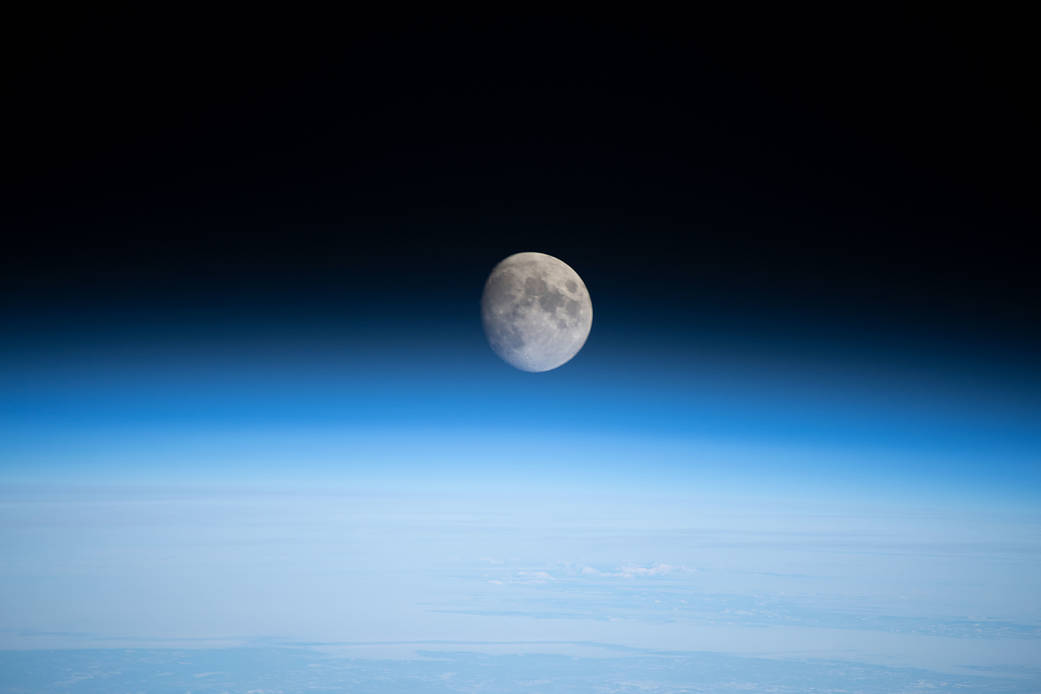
{"type": "Point", "coordinates": [634, 571]}
{"type": "Point", "coordinates": [569, 571]}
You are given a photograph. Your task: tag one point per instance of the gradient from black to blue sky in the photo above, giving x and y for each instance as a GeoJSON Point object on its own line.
{"type": "Point", "coordinates": [811, 243]}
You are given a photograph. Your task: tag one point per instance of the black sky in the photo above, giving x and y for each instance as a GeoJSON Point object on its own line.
{"type": "Point", "coordinates": [866, 177]}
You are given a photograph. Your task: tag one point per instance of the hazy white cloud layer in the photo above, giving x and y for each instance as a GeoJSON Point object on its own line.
{"type": "Point", "coordinates": [555, 592]}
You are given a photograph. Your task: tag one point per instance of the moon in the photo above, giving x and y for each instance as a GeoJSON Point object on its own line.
{"type": "Point", "coordinates": [536, 311]}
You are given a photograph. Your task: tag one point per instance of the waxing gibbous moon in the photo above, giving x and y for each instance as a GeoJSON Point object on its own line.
{"type": "Point", "coordinates": [536, 311]}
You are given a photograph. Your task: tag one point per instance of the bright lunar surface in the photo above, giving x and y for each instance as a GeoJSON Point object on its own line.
{"type": "Point", "coordinates": [536, 311]}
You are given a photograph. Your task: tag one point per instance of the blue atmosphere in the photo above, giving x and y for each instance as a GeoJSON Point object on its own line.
{"type": "Point", "coordinates": [429, 397]}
